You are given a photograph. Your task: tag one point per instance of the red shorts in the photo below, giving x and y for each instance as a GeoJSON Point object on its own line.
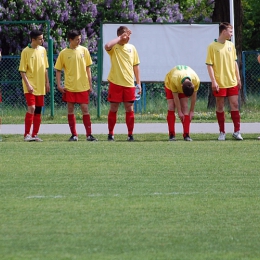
{"type": "Point", "coordinates": [76, 97]}
{"type": "Point", "coordinates": [119, 94]}
{"type": "Point", "coordinates": [33, 100]}
{"type": "Point", "coordinates": [169, 94]}
{"type": "Point", "coordinates": [226, 92]}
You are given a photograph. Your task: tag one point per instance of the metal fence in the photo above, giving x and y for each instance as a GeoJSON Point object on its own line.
{"type": "Point", "coordinates": [13, 97]}
{"type": "Point", "coordinates": [251, 73]}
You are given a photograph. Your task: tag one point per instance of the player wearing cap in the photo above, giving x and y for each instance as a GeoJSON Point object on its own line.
{"type": "Point", "coordinates": [124, 67]}
{"type": "Point", "coordinates": [33, 69]}
{"type": "Point", "coordinates": [181, 83]}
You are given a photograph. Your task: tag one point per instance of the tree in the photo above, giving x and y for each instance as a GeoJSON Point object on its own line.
{"type": "Point", "coordinates": [251, 24]}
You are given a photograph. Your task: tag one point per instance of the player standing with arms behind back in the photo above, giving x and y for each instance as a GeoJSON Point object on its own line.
{"type": "Point", "coordinates": [224, 74]}
{"type": "Point", "coordinates": [76, 62]}
{"type": "Point", "coordinates": [33, 68]}
{"type": "Point", "coordinates": [124, 67]}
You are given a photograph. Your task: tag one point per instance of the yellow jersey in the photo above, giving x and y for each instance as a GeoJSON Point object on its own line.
{"type": "Point", "coordinates": [222, 58]}
{"type": "Point", "coordinates": [176, 76]}
{"type": "Point", "coordinates": [34, 63]}
{"type": "Point", "coordinates": [74, 62]}
{"type": "Point", "coordinates": [123, 58]}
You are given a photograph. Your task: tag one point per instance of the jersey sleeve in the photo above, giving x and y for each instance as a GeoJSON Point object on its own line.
{"type": "Point", "coordinates": [59, 64]}
{"type": "Point", "coordinates": [46, 59]}
{"type": "Point", "coordinates": [136, 57]}
{"type": "Point", "coordinates": [23, 63]}
{"type": "Point", "coordinates": [210, 57]}
{"type": "Point", "coordinates": [88, 58]}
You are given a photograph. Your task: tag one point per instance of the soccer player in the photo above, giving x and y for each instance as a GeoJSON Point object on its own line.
{"type": "Point", "coordinates": [34, 71]}
{"type": "Point", "coordinates": [124, 67]}
{"type": "Point", "coordinates": [224, 74]}
{"type": "Point", "coordinates": [76, 62]}
{"type": "Point", "coordinates": [181, 83]}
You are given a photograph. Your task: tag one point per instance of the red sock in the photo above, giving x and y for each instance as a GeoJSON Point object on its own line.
{"type": "Point", "coordinates": [130, 120]}
{"type": "Point", "coordinates": [111, 122]}
{"type": "Point", "coordinates": [87, 124]}
{"type": "Point", "coordinates": [36, 124]}
{"type": "Point", "coordinates": [235, 115]}
{"type": "Point", "coordinates": [171, 122]}
{"type": "Point", "coordinates": [221, 121]}
{"type": "Point", "coordinates": [28, 123]}
{"type": "Point", "coordinates": [186, 125]}
{"type": "Point", "coordinates": [72, 124]}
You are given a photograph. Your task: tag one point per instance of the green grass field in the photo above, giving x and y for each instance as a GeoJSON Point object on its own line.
{"type": "Point", "coordinates": [150, 199]}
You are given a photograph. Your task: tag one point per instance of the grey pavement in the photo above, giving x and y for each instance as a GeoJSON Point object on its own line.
{"type": "Point", "coordinates": [140, 128]}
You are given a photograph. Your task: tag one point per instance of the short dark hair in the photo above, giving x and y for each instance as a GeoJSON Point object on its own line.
{"type": "Point", "coordinates": [121, 30]}
{"type": "Point", "coordinates": [187, 88]}
{"type": "Point", "coordinates": [73, 33]}
{"type": "Point", "coordinates": [35, 33]}
{"type": "Point", "coordinates": [223, 26]}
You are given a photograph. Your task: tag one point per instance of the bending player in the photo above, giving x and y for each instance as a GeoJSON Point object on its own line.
{"type": "Point", "coordinates": [181, 83]}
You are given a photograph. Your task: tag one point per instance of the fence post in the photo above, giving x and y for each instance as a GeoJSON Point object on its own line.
{"type": "Point", "coordinates": [51, 74]}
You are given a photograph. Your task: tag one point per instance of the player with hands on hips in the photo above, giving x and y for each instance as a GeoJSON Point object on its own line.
{"type": "Point", "coordinates": [181, 84]}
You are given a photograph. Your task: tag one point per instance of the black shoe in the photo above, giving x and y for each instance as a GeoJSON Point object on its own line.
{"type": "Point", "coordinates": [110, 138]}
{"type": "Point", "coordinates": [130, 138]}
{"type": "Point", "coordinates": [91, 138]}
{"type": "Point", "coordinates": [73, 138]}
{"type": "Point", "coordinates": [187, 138]}
{"type": "Point", "coordinates": [172, 138]}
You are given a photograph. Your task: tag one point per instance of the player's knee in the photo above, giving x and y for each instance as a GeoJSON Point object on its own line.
{"type": "Point", "coordinates": [38, 110]}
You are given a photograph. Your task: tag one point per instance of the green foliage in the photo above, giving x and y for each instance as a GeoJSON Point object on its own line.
{"type": "Point", "coordinates": [86, 16]}
{"type": "Point", "coordinates": [251, 24]}
{"type": "Point", "coordinates": [197, 10]}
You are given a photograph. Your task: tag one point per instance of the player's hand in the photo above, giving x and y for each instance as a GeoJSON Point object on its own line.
{"type": "Point", "coordinates": [215, 86]}
{"type": "Point", "coordinates": [239, 84]}
{"type": "Point", "coordinates": [30, 89]}
{"type": "Point", "coordinates": [181, 116]}
{"type": "Point", "coordinates": [191, 115]}
{"type": "Point", "coordinates": [125, 35]}
{"type": "Point", "coordinates": [61, 89]}
{"type": "Point", "coordinates": [140, 89]}
{"type": "Point", "coordinates": [47, 86]}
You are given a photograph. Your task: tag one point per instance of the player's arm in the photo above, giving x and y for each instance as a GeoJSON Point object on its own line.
{"type": "Point", "coordinates": [137, 76]}
{"type": "Point", "coordinates": [110, 44]}
{"type": "Point", "coordinates": [89, 78]}
{"type": "Point", "coordinates": [47, 82]}
{"type": "Point", "coordinates": [27, 83]}
{"type": "Point", "coordinates": [58, 80]}
{"type": "Point", "coordinates": [178, 105]}
{"type": "Point", "coordinates": [239, 84]}
{"type": "Point", "coordinates": [215, 86]}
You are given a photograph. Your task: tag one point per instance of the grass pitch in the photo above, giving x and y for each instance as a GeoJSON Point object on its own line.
{"type": "Point", "coordinates": [150, 199]}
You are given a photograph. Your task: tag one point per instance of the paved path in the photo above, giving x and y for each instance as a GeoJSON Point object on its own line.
{"type": "Point", "coordinates": [140, 128]}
